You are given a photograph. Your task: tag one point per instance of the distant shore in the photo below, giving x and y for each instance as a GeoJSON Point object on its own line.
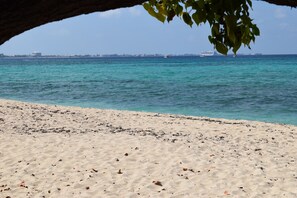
{"type": "Point", "coordinates": [198, 55]}
{"type": "Point", "coordinates": [56, 151]}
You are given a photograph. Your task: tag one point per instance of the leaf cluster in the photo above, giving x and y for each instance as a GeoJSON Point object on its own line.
{"type": "Point", "coordinates": [230, 22]}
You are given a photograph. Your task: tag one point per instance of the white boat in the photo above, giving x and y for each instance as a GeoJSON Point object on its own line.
{"type": "Point", "coordinates": [207, 53]}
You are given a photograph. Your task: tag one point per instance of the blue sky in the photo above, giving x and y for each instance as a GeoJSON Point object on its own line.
{"type": "Point", "coordinates": [134, 31]}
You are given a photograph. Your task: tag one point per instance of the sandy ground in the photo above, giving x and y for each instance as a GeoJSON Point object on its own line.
{"type": "Point", "coordinates": [54, 151]}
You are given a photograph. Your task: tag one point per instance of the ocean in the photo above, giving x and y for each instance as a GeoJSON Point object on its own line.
{"type": "Point", "coordinates": [262, 88]}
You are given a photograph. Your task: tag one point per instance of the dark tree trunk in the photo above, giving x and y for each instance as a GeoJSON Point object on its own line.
{"type": "Point", "coordinates": [291, 3]}
{"type": "Point", "coordinates": [17, 16]}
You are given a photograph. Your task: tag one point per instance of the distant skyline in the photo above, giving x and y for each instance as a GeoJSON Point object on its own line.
{"type": "Point", "coordinates": [134, 31]}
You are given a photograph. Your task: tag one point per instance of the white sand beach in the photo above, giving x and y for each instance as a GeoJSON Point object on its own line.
{"type": "Point", "coordinates": [55, 151]}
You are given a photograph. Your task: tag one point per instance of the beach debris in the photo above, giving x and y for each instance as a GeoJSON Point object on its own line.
{"type": "Point", "coordinates": [120, 171]}
{"type": "Point", "coordinates": [5, 189]}
{"type": "Point", "coordinates": [87, 188]}
{"type": "Point", "coordinates": [173, 140]}
{"type": "Point", "coordinates": [22, 184]}
{"type": "Point", "coordinates": [188, 169]}
{"type": "Point", "coordinates": [126, 154]}
{"type": "Point", "coordinates": [158, 183]}
{"type": "Point", "coordinates": [94, 170]}
{"type": "Point", "coordinates": [242, 189]}
{"type": "Point", "coordinates": [226, 192]}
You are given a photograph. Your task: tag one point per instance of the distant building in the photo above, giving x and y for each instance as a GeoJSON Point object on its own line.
{"type": "Point", "coordinates": [36, 54]}
{"type": "Point", "coordinates": [207, 53]}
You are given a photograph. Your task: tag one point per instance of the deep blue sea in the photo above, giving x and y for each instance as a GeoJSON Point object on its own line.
{"type": "Point", "coordinates": [260, 88]}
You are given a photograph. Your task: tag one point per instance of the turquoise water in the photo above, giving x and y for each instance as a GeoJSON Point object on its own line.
{"type": "Point", "coordinates": [260, 88]}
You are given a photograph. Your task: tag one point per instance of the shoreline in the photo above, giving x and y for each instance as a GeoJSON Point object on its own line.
{"type": "Point", "coordinates": [173, 115]}
{"type": "Point", "coordinates": [58, 151]}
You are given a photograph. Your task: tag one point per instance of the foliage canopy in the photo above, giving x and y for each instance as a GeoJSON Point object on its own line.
{"type": "Point", "coordinates": [229, 20]}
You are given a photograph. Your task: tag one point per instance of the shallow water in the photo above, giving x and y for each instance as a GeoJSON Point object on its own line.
{"type": "Point", "coordinates": [260, 88]}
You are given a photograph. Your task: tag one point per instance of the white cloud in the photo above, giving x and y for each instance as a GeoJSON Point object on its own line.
{"type": "Point", "coordinates": [280, 13]}
{"type": "Point", "coordinates": [110, 13]}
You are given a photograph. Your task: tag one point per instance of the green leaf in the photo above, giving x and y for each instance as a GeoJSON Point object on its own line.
{"type": "Point", "coordinates": [256, 30]}
{"type": "Point", "coordinates": [188, 3]}
{"type": "Point", "coordinates": [199, 17]}
{"type": "Point", "coordinates": [178, 10]}
{"type": "Point", "coordinates": [196, 19]}
{"type": "Point", "coordinates": [202, 15]}
{"type": "Point", "coordinates": [149, 9]}
{"type": "Point", "coordinates": [170, 15]}
{"type": "Point", "coordinates": [187, 19]}
{"type": "Point", "coordinates": [211, 39]}
{"type": "Point", "coordinates": [201, 4]}
{"type": "Point", "coordinates": [221, 48]}
{"type": "Point", "coordinates": [215, 29]}
{"type": "Point", "coordinates": [152, 12]}
{"type": "Point", "coordinates": [236, 47]}
{"type": "Point", "coordinates": [160, 17]}
{"type": "Point", "coordinates": [146, 6]}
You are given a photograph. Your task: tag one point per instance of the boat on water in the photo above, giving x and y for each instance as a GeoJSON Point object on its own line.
{"type": "Point", "coordinates": [207, 53]}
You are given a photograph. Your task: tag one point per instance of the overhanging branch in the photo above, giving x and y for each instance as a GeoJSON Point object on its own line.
{"type": "Point", "coordinates": [18, 16]}
{"type": "Point", "coordinates": [291, 3]}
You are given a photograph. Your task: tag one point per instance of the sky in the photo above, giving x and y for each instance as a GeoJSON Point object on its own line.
{"type": "Point", "coordinates": [134, 31]}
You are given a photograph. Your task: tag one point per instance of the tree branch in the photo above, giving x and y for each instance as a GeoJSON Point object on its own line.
{"type": "Point", "coordinates": [291, 3]}
{"type": "Point", "coordinates": [18, 16]}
